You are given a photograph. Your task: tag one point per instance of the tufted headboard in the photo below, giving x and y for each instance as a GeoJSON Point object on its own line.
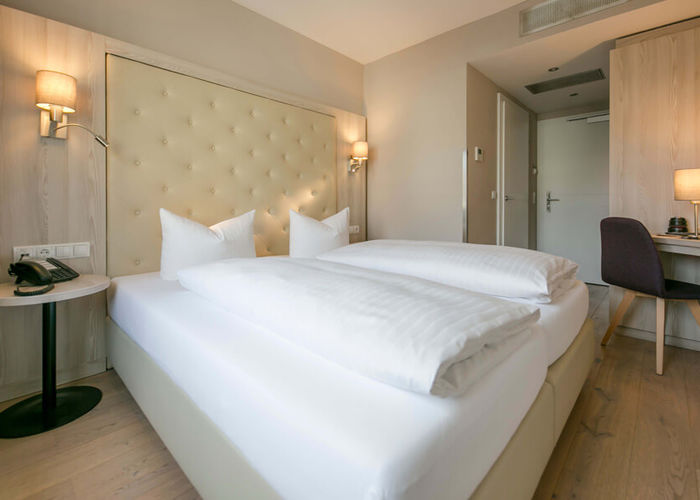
{"type": "Point", "coordinates": [207, 152]}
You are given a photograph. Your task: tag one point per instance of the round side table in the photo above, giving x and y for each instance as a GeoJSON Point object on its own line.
{"type": "Point", "coordinates": [52, 408]}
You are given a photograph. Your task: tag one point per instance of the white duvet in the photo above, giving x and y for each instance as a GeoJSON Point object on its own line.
{"type": "Point", "coordinates": [494, 270]}
{"type": "Point", "coordinates": [407, 332]}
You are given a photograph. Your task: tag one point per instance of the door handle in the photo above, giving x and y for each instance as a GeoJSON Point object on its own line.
{"type": "Point", "coordinates": [507, 198]}
{"type": "Point", "coordinates": [550, 200]}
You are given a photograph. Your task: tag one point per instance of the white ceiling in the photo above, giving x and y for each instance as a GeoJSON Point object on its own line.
{"type": "Point", "coordinates": [367, 30]}
{"type": "Point", "coordinates": [583, 48]}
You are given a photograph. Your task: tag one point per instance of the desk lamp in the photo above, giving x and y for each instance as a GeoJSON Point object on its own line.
{"type": "Point", "coordinates": [686, 187]}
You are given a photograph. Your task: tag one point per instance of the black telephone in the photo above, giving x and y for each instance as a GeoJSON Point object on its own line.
{"type": "Point", "coordinates": [40, 272]}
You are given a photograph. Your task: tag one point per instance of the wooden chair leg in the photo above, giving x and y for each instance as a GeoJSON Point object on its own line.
{"type": "Point", "coordinates": [694, 307]}
{"type": "Point", "coordinates": [619, 313]}
{"type": "Point", "coordinates": [660, 331]}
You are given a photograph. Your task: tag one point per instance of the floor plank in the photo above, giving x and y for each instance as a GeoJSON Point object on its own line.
{"type": "Point", "coordinates": [662, 430]}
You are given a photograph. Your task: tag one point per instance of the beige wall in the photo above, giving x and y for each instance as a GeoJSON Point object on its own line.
{"type": "Point", "coordinates": [54, 191]}
{"type": "Point", "coordinates": [222, 35]}
{"type": "Point", "coordinates": [482, 121]}
{"type": "Point", "coordinates": [415, 102]}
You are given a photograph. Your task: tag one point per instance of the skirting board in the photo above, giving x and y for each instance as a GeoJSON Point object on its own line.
{"type": "Point", "coordinates": [26, 387]}
{"type": "Point", "coordinates": [627, 331]}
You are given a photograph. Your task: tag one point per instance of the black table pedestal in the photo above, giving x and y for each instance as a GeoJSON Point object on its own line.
{"type": "Point", "coordinates": [52, 408]}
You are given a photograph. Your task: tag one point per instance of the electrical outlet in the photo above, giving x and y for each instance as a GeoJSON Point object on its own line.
{"type": "Point", "coordinates": [354, 229]}
{"type": "Point", "coordinates": [17, 252]}
{"type": "Point", "coordinates": [61, 251]}
{"type": "Point", "coordinates": [45, 251]}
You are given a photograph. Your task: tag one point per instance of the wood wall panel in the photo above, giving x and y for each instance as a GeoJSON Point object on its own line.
{"type": "Point", "coordinates": [50, 191]}
{"type": "Point", "coordinates": [654, 125]}
{"type": "Point", "coordinates": [654, 130]}
{"type": "Point", "coordinates": [54, 191]}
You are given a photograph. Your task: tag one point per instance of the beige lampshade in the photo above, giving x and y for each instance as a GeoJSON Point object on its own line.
{"type": "Point", "coordinates": [55, 89]}
{"type": "Point", "coordinates": [360, 150]}
{"type": "Point", "coordinates": [686, 184]}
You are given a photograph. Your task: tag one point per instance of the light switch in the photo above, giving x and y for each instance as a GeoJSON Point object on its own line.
{"type": "Point", "coordinates": [493, 195]}
{"type": "Point", "coordinates": [478, 154]}
{"type": "Point", "coordinates": [81, 250]}
{"type": "Point", "coordinates": [354, 229]}
{"type": "Point", "coordinates": [64, 251]}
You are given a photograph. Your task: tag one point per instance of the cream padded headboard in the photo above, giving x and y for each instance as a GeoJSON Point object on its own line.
{"type": "Point", "coordinates": [209, 153]}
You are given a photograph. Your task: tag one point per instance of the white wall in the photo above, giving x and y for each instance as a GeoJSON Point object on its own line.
{"type": "Point", "coordinates": [221, 35]}
{"type": "Point", "coordinates": [415, 102]}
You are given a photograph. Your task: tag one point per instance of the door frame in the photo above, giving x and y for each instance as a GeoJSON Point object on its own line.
{"type": "Point", "coordinates": [501, 99]}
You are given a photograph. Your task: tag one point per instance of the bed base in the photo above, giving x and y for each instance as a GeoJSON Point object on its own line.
{"type": "Point", "coordinates": [217, 469]}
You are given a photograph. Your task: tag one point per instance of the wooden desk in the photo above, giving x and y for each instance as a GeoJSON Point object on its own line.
{"type": "Point", "coordinates": [677, 244]}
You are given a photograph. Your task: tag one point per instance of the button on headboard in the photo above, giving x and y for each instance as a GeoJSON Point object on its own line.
{"type": "Point", "coordinates": [207, 152]}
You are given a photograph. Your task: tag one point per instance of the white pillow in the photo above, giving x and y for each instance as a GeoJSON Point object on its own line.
{"type": "Point", "coordinates": [187, 243]}
{"type": "Point", "coordinates": [493, 270]}
{"type": "Point", "coordinates": [309, 237]}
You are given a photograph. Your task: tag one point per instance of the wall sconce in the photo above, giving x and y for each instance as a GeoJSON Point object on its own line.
{"type": "Point", "coordinates": [55, 96]}
{"type": "Point", "coordinates": [359, 156]}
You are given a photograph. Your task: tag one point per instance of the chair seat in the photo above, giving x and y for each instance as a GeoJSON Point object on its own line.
{"type": "Point", "coordinates": [682, 290]}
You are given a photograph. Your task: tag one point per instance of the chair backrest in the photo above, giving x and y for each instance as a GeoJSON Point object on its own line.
{"type": "Point", "coordinates": [629, 257]}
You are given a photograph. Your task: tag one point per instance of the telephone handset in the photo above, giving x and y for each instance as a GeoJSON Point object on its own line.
{"type": "Point", "coordinates": [38, 273]}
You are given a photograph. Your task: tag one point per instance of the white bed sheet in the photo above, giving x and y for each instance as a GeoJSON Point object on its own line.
{"type": "Point", "coordinates": [313, 429]}
{"type": "Point", "coordinates": [561, 319]}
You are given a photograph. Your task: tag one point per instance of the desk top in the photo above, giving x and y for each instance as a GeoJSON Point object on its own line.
{"type": "Point", "coordinates": [85, 284]}
{"type": "Point", "coordinates": [677, 244]}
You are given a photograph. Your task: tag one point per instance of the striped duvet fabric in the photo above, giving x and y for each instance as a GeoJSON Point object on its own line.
{"type": "Point", "coordinates": [494, 270]}
{"type": "Point", "coordinates": [411, 333]}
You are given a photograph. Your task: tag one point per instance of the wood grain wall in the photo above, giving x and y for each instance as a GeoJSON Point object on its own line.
{"type": "Point", "coordinates": [50, 191]}
{"type": "Point", "coordinates": [54, 191]}
{"type": "Point", "coordinates": [654, 124]}
{"type": "Point", "coordinates": [655, 129]}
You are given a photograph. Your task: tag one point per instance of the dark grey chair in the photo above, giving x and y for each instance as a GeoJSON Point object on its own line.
{"type": "Point", "coordinates": [630, 260]}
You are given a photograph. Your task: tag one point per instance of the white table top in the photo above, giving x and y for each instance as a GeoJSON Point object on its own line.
{"type": "Point", "coordinates": [85, 284]}
{"type": "Point", "coordinates": [677, 244]}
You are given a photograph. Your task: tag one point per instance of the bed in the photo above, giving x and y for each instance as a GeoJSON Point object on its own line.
{"type": "Point", "coordinates": [300, 427]}
{"type": "Point", "coordinates": [294, 433]}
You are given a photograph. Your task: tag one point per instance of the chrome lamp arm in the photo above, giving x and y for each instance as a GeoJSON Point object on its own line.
{"type": "Point", "coordinates": [97, 137]}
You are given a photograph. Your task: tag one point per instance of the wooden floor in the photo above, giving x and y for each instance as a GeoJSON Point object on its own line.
{"type": "Point", "coordinates": [110, 452]}
{"type": "Point", "coordinates": [631, 435]}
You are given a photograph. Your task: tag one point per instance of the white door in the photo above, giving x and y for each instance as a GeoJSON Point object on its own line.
{"type": "Point", "coordinates": [513, 171]}
{"type": "Point", "coordinates": [573, 169]}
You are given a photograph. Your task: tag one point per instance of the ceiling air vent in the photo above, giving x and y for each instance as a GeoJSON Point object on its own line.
{"type": "Point", "coordinates": [553, 12]}
{"type": "Point", "coordinates": [566, 81]}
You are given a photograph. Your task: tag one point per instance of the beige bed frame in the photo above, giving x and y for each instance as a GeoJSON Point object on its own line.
{"type": "Point", "coordinates": [173, 147]}
{"type": "Point", "coordinates": [217, 468]}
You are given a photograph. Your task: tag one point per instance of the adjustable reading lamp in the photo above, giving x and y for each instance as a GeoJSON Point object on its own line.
{"type": "Point", "coordinates": [55, 95]}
